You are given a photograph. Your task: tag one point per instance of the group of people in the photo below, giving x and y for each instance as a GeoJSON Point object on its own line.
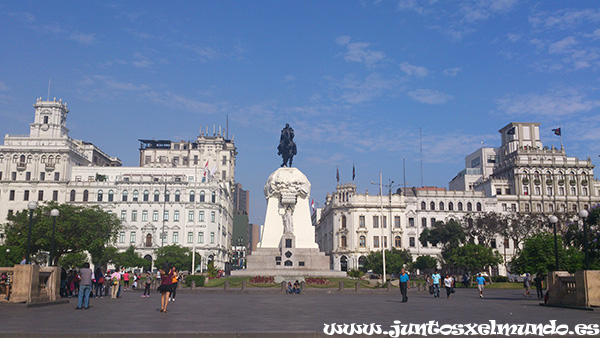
{"type": "Point", "coordinates": [434, 281]}
{"type": "Point", "coordinates": [293, 289]}
{"type": "Point", "coordinates": [5, 283]}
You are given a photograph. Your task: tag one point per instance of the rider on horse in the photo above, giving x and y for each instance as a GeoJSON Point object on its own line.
{"type": "Point", "coordinates": [287, 147]}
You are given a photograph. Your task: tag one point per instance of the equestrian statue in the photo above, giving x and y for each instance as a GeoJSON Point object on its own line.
{"type": "Point", "coordinates": [287, 147]}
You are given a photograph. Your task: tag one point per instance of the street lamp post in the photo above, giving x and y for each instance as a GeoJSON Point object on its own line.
{"type": "Point", "coordinates": [31, 206]}
{"type": "Point", "coordinates": [54, 213]}
{"type": "Point", "coordinates": [583, 214]}
{"type": "Point", "coordinates": [381, 223]}
{"type": "Point", "coordinates": [553, 220]}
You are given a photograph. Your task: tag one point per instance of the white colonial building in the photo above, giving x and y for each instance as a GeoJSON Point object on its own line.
{"type": "Point", "coordinates": [520, 176]}
{"type": "Point", "coordinates": [180, 194]}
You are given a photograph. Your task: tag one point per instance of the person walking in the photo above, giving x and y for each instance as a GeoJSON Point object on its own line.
{"type": "Point", "coordinates": [175, 283]}
{"type": "Point", "coordinates": [480, 284]}
{"type": "Point", "coordinates": [527, 285]}
{"type": "Point", "coordinates": [404, 278]}
{"type": "Point", "coordinates": [85, 287]}
{"type": "Point", "coordinates": [166, 282]}
{"type": "Point", "coordinates": [538, 285]}
{"type": "Point", "coordinates": [448, 284]}
{"type": "Point", "coordinates": [115, 281]}
{"type": "Point", "coordinates": [99, 284]}
{"type": "Point", "coordinates": [435, 281]}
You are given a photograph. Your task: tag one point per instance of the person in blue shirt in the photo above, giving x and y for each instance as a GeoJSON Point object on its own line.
{"type": "Point", "coordinates": [435, 278]}
{"type": "Point", "coordinates": [480, 283]}
{"type": "Point", "coordinates": [404, 285]}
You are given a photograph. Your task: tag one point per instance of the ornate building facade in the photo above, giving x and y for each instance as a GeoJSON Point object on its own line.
{"type": "Point", "coordinates": [180, 194]}
{"type": "Point", "coordinates": [519, 176]}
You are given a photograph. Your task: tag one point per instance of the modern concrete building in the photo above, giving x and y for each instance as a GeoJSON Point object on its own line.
{"type": "Point", "coordinates": [519, 176]}
{"type": "Point", "coordinates": [181, 193]}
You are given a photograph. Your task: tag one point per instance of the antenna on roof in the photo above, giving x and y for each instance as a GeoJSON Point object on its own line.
{"type": "Point", "coordinates": [48, 89]}
{"type": "Point", "coordinates": [227, 126]}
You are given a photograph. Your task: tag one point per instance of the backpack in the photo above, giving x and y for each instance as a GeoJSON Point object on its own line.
{"type": "Point", "coordinates": [115, 281]}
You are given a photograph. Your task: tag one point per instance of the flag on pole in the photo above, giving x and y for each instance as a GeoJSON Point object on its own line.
{"type": "Point", "coordinates": [337, 174]}
{"type": "Point", "coordinates": [205, 168]}
{"type": "Point", "coordinates": [557, 132]}
{"type": "Point", "coordinates": [312, 205]}
{"type": "Point", "coordinates": [212, 172]}
{"type": "Point", "coordinates": [353, 172]}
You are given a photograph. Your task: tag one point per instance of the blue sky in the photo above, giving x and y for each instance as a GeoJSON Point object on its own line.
{"type": "Point", "coordinates": [355, 79]}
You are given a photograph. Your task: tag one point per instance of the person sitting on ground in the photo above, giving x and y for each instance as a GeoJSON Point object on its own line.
{"type": "Point", "coordinates": [297, 287]}
{"type": "Point", "coordinates": [289, 288]}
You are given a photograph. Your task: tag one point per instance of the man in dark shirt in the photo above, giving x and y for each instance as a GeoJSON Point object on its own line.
{"type": "Point", "coordinates": [85, 287]}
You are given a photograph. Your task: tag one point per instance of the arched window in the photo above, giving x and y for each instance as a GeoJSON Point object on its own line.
{"type": "Point", "coordinates": [344, 242]}
{"type": "Point", "coordinates": [432, 205]}
{"type": "Point", "coordinates": [202, 195]}
{"type": "Point", "coordinates": [72, 196]}
{"type": "Point", "coordinates": [15, 158]}
{"type": "Point", "coordinates": [58, 159]}
{"type": "Point", "coordinates": [167, 196]}
{"type": "Point", "coordinates": [536, 175]}
{"type": "Point", "coordinates": [214, 197]}
{"type": "Point", "coordinates": [460, 206]}
{"type": "Point", "coordinates": [192, 196]}
{"type": "Point", "coordinates": [344, 263]}
{"type": "Point", "coordinates": [43, 159]}
{"type": "Point", "coordinates": [441, 205]}
{"type": "Point", "coordinates": [22, 159]}
{"type": "Point", "coordinates": [478, 206]}
{"type": "Point", "coordinates": [177, 196]}
{"type": "Point", "coordinates": [135, 195]}
{"type": "Point", "coordinates": [423, 206]}
{"type": "Point", "coordinates": [397, 241]}
{"type": "Point", "coordinates": [111, 195]}
{"type": "Point", "coordinates": [124, 196]}
{"type": "Point", "coordinates": [343, 222]}
{"type": "Point", "coordinates": [156, 195]}
{"type": "Point", "coordinates": [548, 176]}
{"type": "Point", "coordinates": [469, 206]}
{"type": "Point", "coordinates": [100, 196]}
{"type": "Point", "coordinates": [146, 195]}
{"type": "Point", "coordinates": [86, 195]}
{"type": "Point", "coordinates": [362, 241]}
{"type": "Point", "coordinates": [50, 159]}
{"type": "Point", "coordinates": [29, 158]}
{"type": "Point", "coordinates": [450, 206]}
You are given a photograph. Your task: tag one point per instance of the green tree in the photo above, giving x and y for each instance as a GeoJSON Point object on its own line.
{"type": "Point", "coordinates": [574, 236]}
{"type": "Point", "coordinates": [473, 258]}
{"type": "Point", "coordinates": [537, 256]}
{"type": "Point", "coordinates": [449, 234]}
{"type": "Point", "coordinates": [424, 263]}
{"type": "Point", "coordinates": [175, 255]}
{"type": "Point", "coordinates": [10, 255]}
{"type": "Point", "coordinates": [129, 259]}
{"type": "Point", "coordinates": [78, 229]}
{"type": "Point", "coordinates": [394, 261]}
{"type": "Point", "coordinates": [73, 260]}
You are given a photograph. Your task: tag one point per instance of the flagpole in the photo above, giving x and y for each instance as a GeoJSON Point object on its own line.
{"type": "Point", "coordinates": [381, 223]}
{"type": "Point", "coordinates": [561, 144]}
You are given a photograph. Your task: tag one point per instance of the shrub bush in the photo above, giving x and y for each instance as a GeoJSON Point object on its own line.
{"type": "Point", "coordinates": [262, 280]}
{"type": "Point", "coordinates": [355, 273]}
{"type": "Point", "coordinates": [317, 281]}
{"type": "Point", "coordinates": [198, 278]}
{"type": "Point", "coordinates": [499, 279]}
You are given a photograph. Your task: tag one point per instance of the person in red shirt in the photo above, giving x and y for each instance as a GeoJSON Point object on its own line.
{"type": "Point", "coordinates": [126, 280]}
{"type": "Point", "coordinates": [166, 284]}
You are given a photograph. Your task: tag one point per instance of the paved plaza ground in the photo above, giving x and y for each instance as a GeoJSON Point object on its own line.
{"type": "Point", "coordinates": [272, 314]}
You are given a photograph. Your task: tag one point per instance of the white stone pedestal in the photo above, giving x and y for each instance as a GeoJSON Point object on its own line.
{"type": "Point", "coordinates": [287, 246]}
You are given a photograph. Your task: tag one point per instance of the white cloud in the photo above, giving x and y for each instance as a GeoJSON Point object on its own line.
{"type": "Point", "coordinates": [203, 53]}
{"type": "Point", "coordinates": [179, 101]}
{"type": "Point", "coordinates": [562, 45]}
{"type": "Point", "coordinates": [61, 32]}
{"type": "Point", "coordinates": [453, 146]}
{"type": "Point", "coordinates": [553, 105]}
{"type": "Point", "coordinates": [452, 71]}
{"type": "Point", "coordinates": [141, 61]}
{"type": "Point", "coordinates": [429, 96]}
{"type": "Point", "coordinates": [112, 84]}
{"type": "Point", "coordinates": [360, 52]}
{"type": "Point", "coordinates": [289, 78]}
{"type": "Point", "coordinates": [564, 19]}
{"type": "Point", "coordinates": [358, 91]}
{"type": "Point", "coordinates": [513, 37]}
{"type": "Point", "coordinates": [413, 70]}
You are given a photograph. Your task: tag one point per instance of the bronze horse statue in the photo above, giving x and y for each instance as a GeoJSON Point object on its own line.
{"type": "Point", "coordinates": [287, 147]}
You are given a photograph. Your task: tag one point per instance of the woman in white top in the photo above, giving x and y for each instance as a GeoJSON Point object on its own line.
{"type": "Point", "coordinates": [448, 284]}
